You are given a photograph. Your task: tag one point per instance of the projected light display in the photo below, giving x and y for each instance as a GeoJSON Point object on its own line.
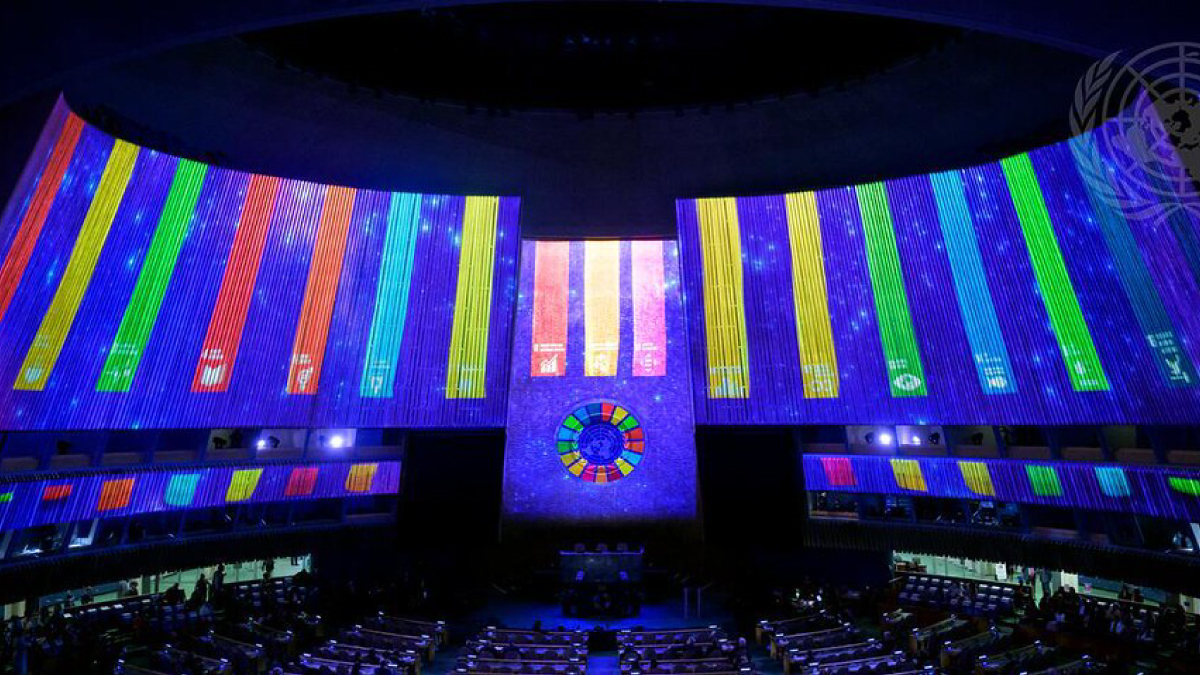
{"type": "Point", "coordinates": [1164, 492]}
{"type": "Point", "coordinates": [600, 425]}
{"type": "Point", "coordinates": [601, 442]}
{"type": "Point", "coordinates": [139, 289]}
{"type": "Point", "coordinates": [1013, 292]}
{"type": "Point", "coordinates": [62, 499]}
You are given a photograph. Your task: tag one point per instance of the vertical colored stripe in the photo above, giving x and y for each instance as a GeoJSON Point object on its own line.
{"type": "Point", "coordinates": [975, 304]}
{"type": "Point", "coordinates": [391, 297]}
{"type": "Point", "coordinates": [814, 330]}
{"type": "Point", "coordinates": [908, 475]}
{"type": "Point", "coordinates": [601, 307]}
{"type": "Point", "coordinates": [53, 493]}
{"type": "Point", "coordinates": [115, 494]}
{"type": "Point", "coordinates": [324, 272]}
{"type": "Point", "coordinates": [360, 477]}
{"type": "Point", "coordinates": [130, 343]}
{"type": "Point", "coordinates": [242, 485]}
{"type": "Point", "coordinates": [301, 481]}
{"type": "Point", "coordinates": [978, 478]}
{"type": "Point", "coordinates": [181, 489]}
{"type": "Point", "coordinates": [1187, 486]}
{"type": "Point", "coordinates": [56, 324]}
{"type": "Point", "coordinates": [17, 258]}
{"type": "Point", "coordinates": [838, 471]}
{"type": "Point", "coordinates": [1058, 295]}
{"type": "Point", "coordinates": [1113, 482]}
{"type": "Point", "coordinates": [1044, 481]}
{"type": "Point", "coordinates": [551, 286]}
{"type": "Point", "coordinates": [6, 497]}
{"type": "Point", "coordinates": [466, 370]}
{"type": "Point", "coordinates": [1148, 308]}
{"type": "Point", "coordinates": [906, 377]}
{"type": "Point", "coordinates": [649, 309]}
{"type": "Point", "coordinates": [219, 353]}
{"type": "Point", "coordinates": [724, 298]}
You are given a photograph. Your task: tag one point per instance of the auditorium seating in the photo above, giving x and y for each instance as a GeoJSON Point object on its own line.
{"type": "Point", "coordinates": [960, 653]}
{"type": "Point", "coordinates": [925, 641]}
{"type": "Point", "coordinates": [507, 651]}
{"type": "Point", "coordinates": [1021, 659]}
{"type": "Point", "coordinates": [958, 595]}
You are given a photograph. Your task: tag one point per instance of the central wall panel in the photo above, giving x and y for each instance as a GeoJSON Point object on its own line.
{"type": "Point", "coordinates": [600, 425]}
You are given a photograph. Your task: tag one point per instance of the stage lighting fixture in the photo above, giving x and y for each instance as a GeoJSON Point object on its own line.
{"type": "Point", "coordinates": [337, 442]}
{"type": "Point", "coordinates": [261, 444]}
{"type": "Point", "coordinates": [916, 440]}
{"type": "Point", "coordinates": [885, 439]}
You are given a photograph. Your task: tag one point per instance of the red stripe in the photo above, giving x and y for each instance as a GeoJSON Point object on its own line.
{"type": "Point", "coordinates": [649, 309]}
{"type": "Point", "coordinates": [39, 207]}
{"type": "Point", "coordinates": [56, 492]}
{"type": "Point", "coordinates": [308, 349]}
{"type": "Point", "coordinates": [219, 353]}
{"type": "Point", "coordinates": [550, 287]}
{"type": "Point", "coordinates": [301, 482]}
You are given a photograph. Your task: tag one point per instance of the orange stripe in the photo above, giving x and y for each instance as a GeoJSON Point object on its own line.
{"type": "Point", "coordinates": [308, 350]}
{"type": "Point", "coordinates": [39, 207]}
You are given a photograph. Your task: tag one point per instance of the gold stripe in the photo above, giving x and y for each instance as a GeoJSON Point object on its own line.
{"type": "Point", "coordinates": [56, 323]}
{"type": "Point", "coordinates": [724, 313]}
{"type": "Point", "coordinates": [814, 332]}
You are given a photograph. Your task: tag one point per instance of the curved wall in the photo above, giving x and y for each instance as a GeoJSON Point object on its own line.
{"type": "Point", "coordinates": [1017, 292]}
{"type": "Point", "coordinates": [141, 290]}
{"type": "Point", "coordinates": [39, 499]}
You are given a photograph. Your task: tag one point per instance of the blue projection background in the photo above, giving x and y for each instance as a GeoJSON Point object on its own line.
{"type": "Point", "coordinates": [1164, 492]}
{"type": "Point", "coordinates": [599, 346]}
{"type": "Point", "coordinates": [28, 501]}
{"type": "Point", "coordinates": [141, 290]}
{"type": "Point", "coordinates": [1015, 292]}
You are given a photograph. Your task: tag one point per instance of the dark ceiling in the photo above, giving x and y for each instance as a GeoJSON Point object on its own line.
{"type": "Point", "coordinates": [601, 56]}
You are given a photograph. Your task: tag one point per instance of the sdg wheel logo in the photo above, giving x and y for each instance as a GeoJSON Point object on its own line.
{"type": "Point", "coordinates": [600, 442]}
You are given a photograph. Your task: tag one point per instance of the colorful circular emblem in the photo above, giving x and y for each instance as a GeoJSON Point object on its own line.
{"type": "Point", "coordinates": [600, 442]}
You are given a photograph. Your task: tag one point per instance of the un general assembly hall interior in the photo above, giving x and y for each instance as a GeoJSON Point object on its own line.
{"type": "Point", "coordinates": [600, 337]}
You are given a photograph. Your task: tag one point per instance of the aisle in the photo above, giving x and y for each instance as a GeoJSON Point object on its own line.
{"type": "Point", "coordinates": [603, 663]}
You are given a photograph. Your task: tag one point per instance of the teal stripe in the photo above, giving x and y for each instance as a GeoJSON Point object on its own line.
{"type": "Point", "coordinates": [391, 297]}
{"type": "Point", "coordinates": [970, 285]}
{"type": "Point", "coordinates": [1161, 336]}
{"type": "Point", "coordinates": [1058, 295]}
{"type": "Point", "coordinates": [142, 311]}
{"type": "Point", "coordinates": [905, 375]}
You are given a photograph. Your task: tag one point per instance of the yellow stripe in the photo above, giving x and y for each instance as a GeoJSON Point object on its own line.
{"type": "Point", "coordinates": [467, 368]}
{"type": "Point", "coordinates": [242, 485]}
{"type": "Point", "coordinates": [601, 307]}
{"type": "Point", "coordinates": [908, 475]}
{"type": "Point", "coordinates": [48, 342]}
{"type": "Point", "coordinates": [977, 478]}
{"type": "Point", "coordinates": [814, 333]}
{"type": "Point", "coordinates": [724, 315]}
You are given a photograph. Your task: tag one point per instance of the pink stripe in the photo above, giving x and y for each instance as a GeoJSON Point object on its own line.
{"type": "Point", "coordinates": [550, 281]}
{"type": "Point", "coordinates": [649, 310]}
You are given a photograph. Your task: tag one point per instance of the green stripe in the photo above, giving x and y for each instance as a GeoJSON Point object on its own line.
{"type": "Point", "coordinates": [1079, 353]}
{"type": "Point", "coordinates": [142, 310]}
{"type": "Point", "coordinates": [6, 497]}
{"type": "Point", "coordinates": [1188, 486]}
{"type": "Point", "coordinates": [905, 375]}
{"type": "Point", "coordinates": [1044, 480]}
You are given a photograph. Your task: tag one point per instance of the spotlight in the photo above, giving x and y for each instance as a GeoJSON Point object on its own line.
{"type": "Point", "coordinates": [261, 444]}
{"type": "Point", "coordinates": [916, 440]}
{"type": "Point", "coordinates": [885, 439]}
{"type": "Point", "coordinates": [337, 442]}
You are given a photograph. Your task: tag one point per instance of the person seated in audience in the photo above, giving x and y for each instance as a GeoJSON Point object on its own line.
{"type": "Point", "coordinates": [174, 595]}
